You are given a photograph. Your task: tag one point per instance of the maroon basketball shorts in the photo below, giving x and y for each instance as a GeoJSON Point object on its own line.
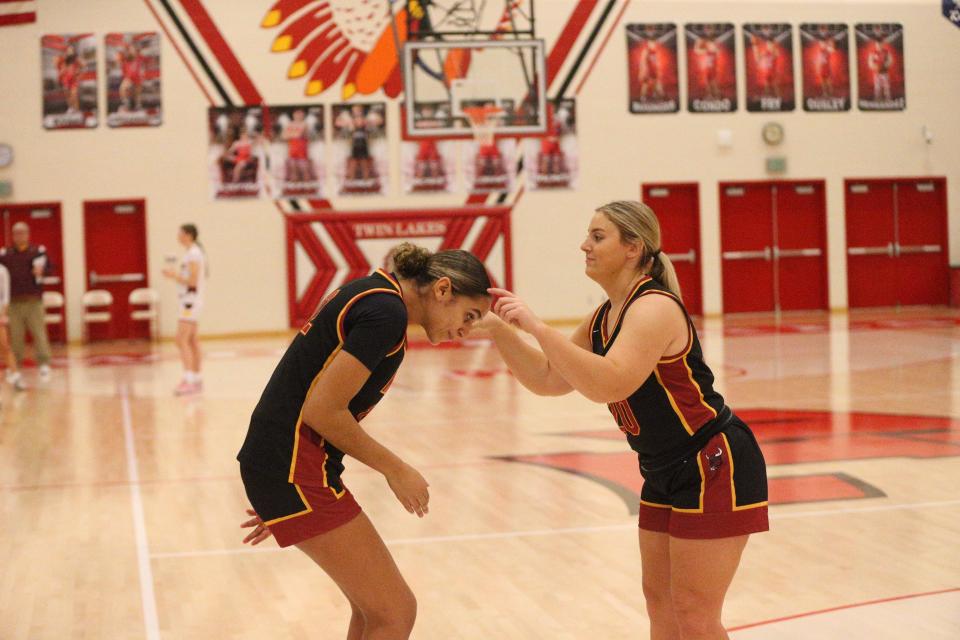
{"type": "Point", "coordinates": [720, 492]}
{"type": "Point", "coordinates": [295, 512]}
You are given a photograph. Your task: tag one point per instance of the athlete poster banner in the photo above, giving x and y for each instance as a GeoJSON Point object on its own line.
{"type": "Point", "coordinates": [825, 53]}
{"type": "Point", "coordinates": [236, 159]}
{"type": "Point", "coordinates": [711, 68]}
{"type": "Point", "coordinates": [654, 83]}
{"type": "Point", "coordinates": [69, 68]}
{"type": "Point", "coordinates": [768, 58]}
{"type": "Point", "coordinates": [880, 80]}
{"type": "Point", "coordinates": [489, 164]}
{"type": "Point", "coordinates": [359, 148]}
{"type": "Point", "coordinates": [552, 162]}
{"type": "Point", "coordinates": [428, 165]}
{"type": "Point", "coordinates": [296, 150]}
{"type": "Point", "coordinates": [133, 79]}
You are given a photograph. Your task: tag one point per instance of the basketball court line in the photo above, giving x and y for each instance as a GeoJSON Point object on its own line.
{"type": "Point", "coordinates": [844, 607]}
{"type": "Point", "coordinates": [147, 596]}
{"type": "Point", "coordinates": [531, 533]}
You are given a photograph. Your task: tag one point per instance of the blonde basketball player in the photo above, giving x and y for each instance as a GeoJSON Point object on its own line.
{"type": "Point", "coordinates": [639, 354]}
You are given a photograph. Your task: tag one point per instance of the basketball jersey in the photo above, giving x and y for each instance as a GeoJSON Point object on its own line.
{"type": "Point", "coordinates": [244, 150]}
{"type": "Point", "coordinates": [192, 296]}
{"type": "Point", "coordinates": [708, 55]}
{"type": "Point", "coordinates": [676, 400]}
{"type": "Point", "coordinates": [297, 147]}
{"type": "Point", "coordinates": [131, 68]}
{"type": "Point", "coordinates": [366, 318]}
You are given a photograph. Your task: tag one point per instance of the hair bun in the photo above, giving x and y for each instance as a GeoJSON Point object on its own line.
{"type": "Point", "coordinates": [409, 260]}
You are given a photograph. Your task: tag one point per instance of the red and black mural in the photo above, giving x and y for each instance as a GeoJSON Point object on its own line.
{"type": "Point", "coordinates": [787, 437]}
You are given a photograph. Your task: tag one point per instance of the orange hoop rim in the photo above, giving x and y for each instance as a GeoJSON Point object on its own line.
{"type": "Point", "coordinates": [481, 115]}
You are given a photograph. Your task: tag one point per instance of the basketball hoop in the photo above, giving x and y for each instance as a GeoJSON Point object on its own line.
{"type": "Point", "coordinates": [483, 121]}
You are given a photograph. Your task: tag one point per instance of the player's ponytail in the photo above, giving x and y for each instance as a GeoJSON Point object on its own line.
{"type": "Point", "coordinates": [191, 230]}
{"type": "Point", "coordinates": [638, 223]}
{"type": "Point", "coordinates": [467, 274]}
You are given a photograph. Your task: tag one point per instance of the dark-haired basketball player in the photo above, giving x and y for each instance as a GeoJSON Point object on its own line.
{"type": "Point", "coordinates": [332, 375]}
{"type": "Point", "coordinates": [639, 354]}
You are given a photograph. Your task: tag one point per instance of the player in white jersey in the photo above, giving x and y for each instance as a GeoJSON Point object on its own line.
{"type": "Point", "coordinates": [13, 373]}
{"type": "Point", "coordinates": [190, 285]}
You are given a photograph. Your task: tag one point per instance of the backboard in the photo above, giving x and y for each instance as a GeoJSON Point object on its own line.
{"type": "Point", "coordinates": [442, 77]}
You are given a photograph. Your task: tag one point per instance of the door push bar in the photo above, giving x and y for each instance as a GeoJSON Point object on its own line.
{"type": "Point", "coordinates": [689, 256]}
{"type": "Point", "coordinates": [764, 254]}
{"type": "Point", "coordinates": [96, 278]}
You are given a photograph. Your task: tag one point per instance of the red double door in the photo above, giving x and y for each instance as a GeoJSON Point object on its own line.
{"type": "Point", "coordinates": [773, 240]}
{"type": "Point", "coordinates": [897, 242]}
{"type": "Point", "coordinates": [115, 238]}
{"type": "Point", "coordinates": [677, 206]}
{"type": "Point", "coordinates": [45, 229]}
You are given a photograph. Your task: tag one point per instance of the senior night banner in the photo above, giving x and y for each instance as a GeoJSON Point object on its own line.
{"type": "Point", "coordinates": [296, 150]}
{"type": "Point", "coordinates": [133, 79]}
{"type": "Point", "coordinates": [69, 68]}
{"type": "Point", "coordinates": [235, 159]}
{"type": "Point", "coordinates": [881, 84]}
{"type": "Point", "coordinates": [653, 80]}
{"type": "Point", "coordinates": [768, 58]}
{"type": "Point", "coordinates": [711, 68]}
{"type": "Point", "coordinates": [825, 53]}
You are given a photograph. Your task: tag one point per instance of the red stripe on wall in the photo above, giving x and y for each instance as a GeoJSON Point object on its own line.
{"type": "Point", "coordinates": [603, 45]}
{"type": "Point", "coordinates": [571, 31]}
{"type": "Point", "coordinates": [176, 48]}
{"type": "Point", "coordinates": [17, 18]}
{"type": "Point", "coordinates": [211, 35]}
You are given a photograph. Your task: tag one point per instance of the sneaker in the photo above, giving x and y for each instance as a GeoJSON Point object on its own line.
{"type": "Point", "coordinates": [16, 380]}
{"type": "Point", "coordinates": [44, 373]}
{"type": "Point", "coordinates": [187, 388]}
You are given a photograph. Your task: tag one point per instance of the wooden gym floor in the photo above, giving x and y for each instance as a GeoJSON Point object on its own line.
{"type": "Point", "coordinates": [121, 504]}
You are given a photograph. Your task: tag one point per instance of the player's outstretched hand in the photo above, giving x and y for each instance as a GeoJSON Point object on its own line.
{"type": "Point", "coordinates": [512, 310]}
{"type": "Point", "coordinates": [260, 531]}
{"type": "Point", "coordinates": [410, 488]}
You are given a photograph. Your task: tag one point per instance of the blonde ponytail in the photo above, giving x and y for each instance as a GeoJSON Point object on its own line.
{"type": "Point", "coordinates": [638, 223]}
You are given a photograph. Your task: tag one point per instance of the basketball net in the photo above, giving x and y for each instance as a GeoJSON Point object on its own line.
{"type": "Point", "coordinates": [483, 122]}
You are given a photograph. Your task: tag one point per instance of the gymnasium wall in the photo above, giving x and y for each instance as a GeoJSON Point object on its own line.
{"type": "Point", "coordinates": [247, 290]}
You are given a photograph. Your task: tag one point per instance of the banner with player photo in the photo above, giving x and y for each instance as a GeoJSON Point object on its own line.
{"type": "Point", "coordinates": [296, 150]}
{"type": "Point", "coordinates": [133, 79]}
{"type": "Point", "coordinates": [768, 58]}
{"type": "Point", "coordinates": [880, 77]}
{"type": "Point", "coordinates": [654, 83]}
{"type": "Point", "coordinates": [825, 54]}
{"type": "Point", "coordinates": [489, 164]}
{"type": "Point", "coordinates": [552, 162]}
{"type": "Point", "coordinates": [69, 77]}
{"type": "Point", "coordinates": [236, 159]}
{"type": "Point", "coordinates": [428, 165]}
{"type": "Point", "coordinates": [359, 148]}
{"type": "Point", "coordinates": [711, 67]}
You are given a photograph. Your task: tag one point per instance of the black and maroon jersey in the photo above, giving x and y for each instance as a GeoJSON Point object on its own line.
{"type": "Point", "coordinates": [366, 318]}
{"type": "Point", "coordinates": [677, 399]}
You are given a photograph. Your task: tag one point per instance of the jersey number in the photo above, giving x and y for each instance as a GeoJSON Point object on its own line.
{"type": "Point", "coordinates": [624, 416]}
